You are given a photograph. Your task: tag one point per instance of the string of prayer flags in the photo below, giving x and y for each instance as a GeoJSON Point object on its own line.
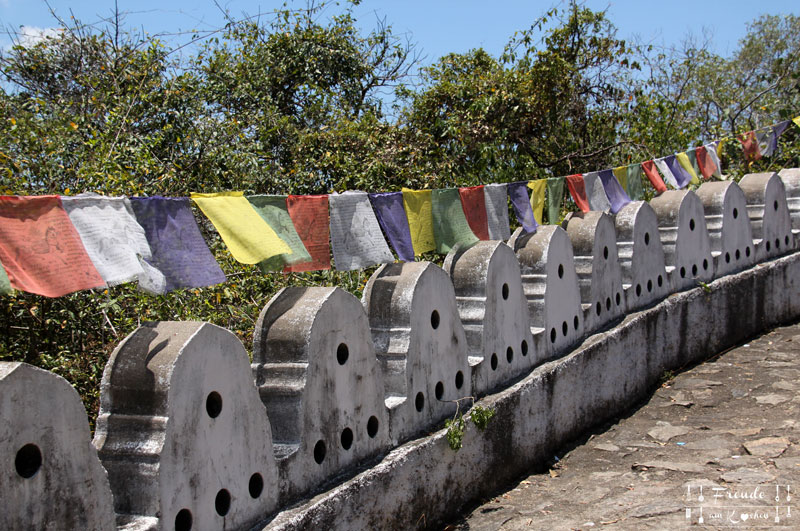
{"type": "Point", "coordinates": [112, 237]}
{"type": "Point", "coordinates": [650, 171]}
{"type": "Point", "coordinates": [273, 210]}
{"type": "Point", "coordinates": [180, 257]}
{"type": "Point", "coordinates": [617, 197]}
{"type": "Point", "coordinates": [473, 202]}
{"type": "Point", "coordinates": [40, 248]}
{"type": "Point", "coordinates": [555, 195]}
{"type": "Point", "coordinates": [577, 189]}
{"type": "Point", "coordinates": [5, 284]}
{"type": "Point", "coordinates": [496, 196]}
{"type": "Point", "coordinates": [596, 195]}
{"type": "Point", "coordinates": [686, 164]}
{"type": "Point", "coordinates": [450, 227]}
{"type": "Point", "coordinates": [391, 215]}
{"type": "Point", "coordinates": [520, 202]}
{"type": "Point", "coordinates": [420, 219]}
{"type": "Point", "coordinates": [538, 188]}
{"type": "Point", "coordinates": [248, 237]}
{"type": "Point", "coordinates": [310, 217]}
{"type": "Point", "coordinates": [356, 236]}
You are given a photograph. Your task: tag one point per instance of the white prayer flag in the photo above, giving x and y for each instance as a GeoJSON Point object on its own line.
{"type": "Point", "coordinates": [356, 236]}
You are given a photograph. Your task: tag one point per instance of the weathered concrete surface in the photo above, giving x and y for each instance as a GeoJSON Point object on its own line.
{"type": "Point", "coordinates": [791, 182]}
{"type": "Point", "coordinates": [50, 476]}
{"type": "Point", "coordinates": [768, 213]}
{"type": "Point", "coordinates": [494, 312]}
{"type": "Point", "coordinates": [423, 482]}
{"type": "Point", "coordinates": [181, 431]}
{"type": "Point", "coordinates": [729, 231]}
{"type": "Point", "coordinates": [731, 423]}
{"type": "Point", "coordinates": [317, 375]}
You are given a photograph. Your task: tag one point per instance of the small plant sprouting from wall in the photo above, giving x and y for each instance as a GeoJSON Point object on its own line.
{"type": "Point", "coordinates": [480, 416]}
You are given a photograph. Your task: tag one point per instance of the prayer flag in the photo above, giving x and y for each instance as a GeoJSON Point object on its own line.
{"type": "Point", "coordinates": [768, 140]}
{"type": "Point", "coordinates": [666, 171]}
{"type": "Point", "coordinates": [5, 284]}
{"type": "Point", "coordinates": [450, 227]}
{"type": "Point", "coordinates": [310, 217]}
{"type": "Point", "coordinates": [538, 188]}
{"type": "Point", "coordinates": [40, 248]}
{"type": "Point", "coordinates": [356, 236]}
{"type": "Point", "coordinates": [621, 173]}
{"type": "Point", "coordinates": [686, 164]}
{"type": "Point", "coordinates": [473, 201]}
{"type": "Point", "coordinates": [681, 176]}
{"type": "Point", "coordinates": [388, 208]}
{"type": "Point", "coordinates": [273, 210]}
{"type": "Point", "coordinates": [555, 195]}
{"type": "Point", "coordinates": [617, 197]}
{"type": "Point", "coordinates": [496, 196]}
{"type": "Point", "coordinates": [598, 200]}
{"type": "Point", "coordinates": [705, 162]}
{"type": "Point", "coordinates": [112, 237]}
{"type": "Point", "coordinates": [248, 237]}
{"type": "Point", "coordinates": [420, 219]}
{"type": "Point", "coordinates": [796, 121]}
{"type": "Point", "coordinates": [577, 190]}
{"type": "Point", "coordinates": [714, 150]}
{"type": "Point", "coordinates": [520, 201]}
{"type": "Point", "coordinates": [634, 188]}
{"type": "Point", "coordinates": [650, 171]}
{"type": "Point", "coordinates": [750, 146]}
{"type": "Point", "coordinates": [180, 257]}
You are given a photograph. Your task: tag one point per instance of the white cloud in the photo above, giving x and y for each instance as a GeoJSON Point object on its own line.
{"type": "Point", "coordinates": [31, 35]}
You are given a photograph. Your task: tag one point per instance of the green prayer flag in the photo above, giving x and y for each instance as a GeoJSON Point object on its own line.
{"type": "Point", "coordinates": [692, 155]}
{"type": "Point", "coordinates": [5, 284]}
{"type": "Point", "coordinates": [635, 191]}
{"type": "Point", "coordinates": [555, 195]}
{"type": "Point", "coordinates": [273, 210]}
{"type": "Point", "coordinates": [450, 226]}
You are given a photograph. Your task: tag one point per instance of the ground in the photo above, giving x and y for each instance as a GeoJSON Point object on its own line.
{"type": "Point", "coordinates": [730, 425]}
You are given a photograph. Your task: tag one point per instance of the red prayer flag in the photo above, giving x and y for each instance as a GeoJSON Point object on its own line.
{"type": "Point", "coordinates": [577, 189]}
{"type": "Point", "coordinates": [473, 201]}
{"type": "Point", "coordinates": [40, 248]}
{"type": "Point", "coordinates": [750, 146]}
{"type": "Point", "coordinates": [705, 162]}
{"type": "Point", "coordinates": [650, 170]}
{"type": "Point", "coordinates": [311, 220]}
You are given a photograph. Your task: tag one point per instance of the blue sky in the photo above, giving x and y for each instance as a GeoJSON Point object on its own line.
{"type": "Point", "coordinates": [438, 27]}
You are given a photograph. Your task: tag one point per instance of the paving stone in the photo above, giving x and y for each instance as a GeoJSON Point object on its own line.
{"type": "Point", "coordinates": [748, 476]}
{"type": "Point", "coordinates": [772, 399]}
{"type": "Point", "coordinates": [670, 465]}
{"type": "Point", "coordinates": [694, 383]}
{"type": "Point", "coordinates": [768, 446]}
{"type": "Point", "coordinates": [664, 431]}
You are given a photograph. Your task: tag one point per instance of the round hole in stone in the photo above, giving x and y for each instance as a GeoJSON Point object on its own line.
{"type": "Point", "coordinates": [786, 241]}
{"type": "Point", "coordinates": [647, 238]}
{"type": "Point", "coordinates": [705, 264]}
{"type": "Point", "coordinates": [649, 286]}
{"type": "Point", "coordinates": [435, 319]}
{"type": "Point", "coordinates": [256, 485]}
{"type": "Point", "coordinates": [419, 401]}
{"type": "Point", "coordinates": [738, 254]}
{"type": "Point", "coordinates": [439, 390]}
{"type": "Point", "coordinates": [505, 292]}
{"type": "Point", "coordinates": [183, 520]}
{"type": "Point", "coordinates": [598, 308]}
{"type": "Point", "coordinates": [459, 379]}
{"type": "Point", "coordinates": [608, 303]}
{"type": "Point", "coordinates": [213, 404]}
{"type": "Point", "coordinates": [768, 246]}
{"type": "Point", "coordinates": [775, 205]}
{"type": "Point", "coordinates": [638, 290]}
{"type": "Point", "coordinates": [777, 243]}
{"type": "Point", "coordinates": [553, 335]}
{"type": "Point", "coordinates": [342, 353]}
{"type": "Point", "coordinates": [222, 503]}
{"type": "Point", "coordinates": [28, 461]}
{"type": "Point", "coordinates": [575, 323]}
{"type": "Point", "coordinates": [735, 213]}
{"type": "Point", "coordinates": [560, 271]}
{"type": "Point", "coordinates": [618, 298]}
{"type": "Point", "coordinates": [346, 438]}
{"type": "Point", "coordinates": [694, 270]}
{"type": "Point", "coordinates": [727, 258]}
{"type": "Point", "coordinates": [564, 328]}
{"type": "Point", "coordinates": [660, 281]}
{"type": "Point", "coordinates": [691, 224]}
{"type": "Point", "coordinates": [747, 251]}
{"type": "Point", "coordinates": [494, 362]}
{"type": "Point", "coordinates": [319, 452]}
{"type": "Point", "coordinates": [509, 354]}
{"type": "Point", "coordinates": [683, 272]}
{"type": "Point", "coordinates": [372, 426]}
{"type": "Point", "coordinates": [524, 348]}
{"type": "Point", "coordinates": [605, 252]}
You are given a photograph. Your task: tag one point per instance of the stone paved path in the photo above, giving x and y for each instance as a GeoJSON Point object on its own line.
{"type": "Point", "coordinates": [730, 425]}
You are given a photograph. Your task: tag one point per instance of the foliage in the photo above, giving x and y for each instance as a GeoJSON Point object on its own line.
{"type": "Point", "coordinates": [479, 415]}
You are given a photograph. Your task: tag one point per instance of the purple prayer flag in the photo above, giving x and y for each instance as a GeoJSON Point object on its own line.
{"type": "Point", "coordinates": [391, 215]}
{"type": "Point", "coordinates": [682, 176]}
{"type": "Point", "coordinates": [181, 258]}
{"type": "Point", "coordinates": [614, 190]}
{"type": "Point", "coordinates": [777, 131]}
{"type": "Point", "coordinates": [518, 193]}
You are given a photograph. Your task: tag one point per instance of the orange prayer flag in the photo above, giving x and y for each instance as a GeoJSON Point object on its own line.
{"type": "Point", "coordinates": [311, 220]}
{"type": "Point", "coordinates": [577, 189]}
{"type": "Point", "coordinates": [655, 179]}
{"type": "Point", "coordinates": [473, 202]}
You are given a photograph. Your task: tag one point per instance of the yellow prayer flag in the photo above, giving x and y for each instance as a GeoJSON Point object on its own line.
{"type": "Point", "coordinates": [419, 210]}
{"type": "Point", "coordinates": [248, 237]}
{"type": "Point", "coordinates": [719, 148]}
{"type": "Point", "coordinates": [621, 173]}
{"type": "Point", "coordinates": [796, 121]}
{"type": "Point", "coordinates": [683, 159]}
{"type": "Point", "coordinates": [537, 198]}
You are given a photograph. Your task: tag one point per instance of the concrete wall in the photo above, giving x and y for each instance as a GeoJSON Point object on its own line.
{"type": "Point", "coordinates": [330, 425]}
